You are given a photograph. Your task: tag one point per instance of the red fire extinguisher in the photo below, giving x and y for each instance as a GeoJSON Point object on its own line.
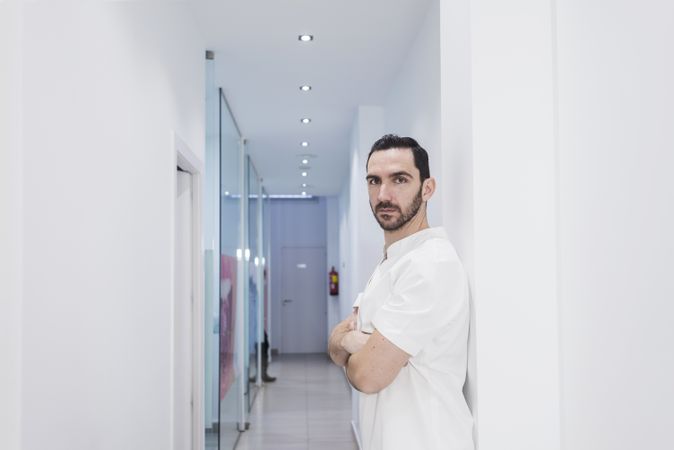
{"type": "Point", "coordinates": [334, 282]}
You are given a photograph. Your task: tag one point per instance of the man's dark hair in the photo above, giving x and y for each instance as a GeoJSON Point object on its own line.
{"type": "Point", "coordinates": [389, 141]}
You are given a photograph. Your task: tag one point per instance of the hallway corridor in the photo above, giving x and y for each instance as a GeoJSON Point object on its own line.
{"type": "Point", "coordinates": [308, 407]}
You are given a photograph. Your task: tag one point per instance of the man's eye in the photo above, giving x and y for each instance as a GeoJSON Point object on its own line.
{"type": "Point", "coordinates": [401, 180]}
{"type": "Point", "coordinates": [372, 181]}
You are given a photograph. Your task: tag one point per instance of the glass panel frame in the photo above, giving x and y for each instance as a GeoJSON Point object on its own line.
{"type": "Point", "coordinates": [236, 278]}
{"type": "Point", "coordinates": [266, 273]}
{"type": "Point", "coordinates": [252, 264]}
{"type": "Point", "coordinates": [232, 414]}
{"type": "Point", "coordinates": [211, 240]}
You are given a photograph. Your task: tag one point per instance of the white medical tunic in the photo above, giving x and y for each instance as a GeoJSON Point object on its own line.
{"type": "Point", "coordinates": [418, 299]}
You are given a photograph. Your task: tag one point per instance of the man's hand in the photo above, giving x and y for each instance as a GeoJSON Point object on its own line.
{"type": "Point", "coordinates": [338, 353]}
{"type": "Point", "coordinates": [354, 340]}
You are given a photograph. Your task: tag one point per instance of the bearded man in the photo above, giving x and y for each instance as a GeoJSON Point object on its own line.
{"type": "Point", "coordinates": [404, 347]}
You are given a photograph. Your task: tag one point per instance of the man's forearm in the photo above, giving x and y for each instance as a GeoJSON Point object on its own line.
{"type": "Point", "coordinates": [375, 365]}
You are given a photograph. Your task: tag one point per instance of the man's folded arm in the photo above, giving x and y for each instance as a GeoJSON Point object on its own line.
{"type": "Point", "coordinates": [335, 349]}
{"type": "Point", "coordinates": [376, 365]}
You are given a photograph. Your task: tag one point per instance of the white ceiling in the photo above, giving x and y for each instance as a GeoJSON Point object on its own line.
{"type": "Point", "coordinates": [358, 49]}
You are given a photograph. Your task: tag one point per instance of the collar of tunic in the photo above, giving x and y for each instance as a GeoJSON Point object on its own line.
{"type": "Point", "coordinates": [404, 245]}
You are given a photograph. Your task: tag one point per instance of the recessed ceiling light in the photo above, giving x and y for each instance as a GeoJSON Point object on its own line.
{"type": "Point", "coordinates": [305, 120]}
{"type": "Point", "coordinates": [304, 185]}
{"type": "Point", "coordinates": [304, 193]}
{"type": "Point", "coordinates": [305, 161]}
{"type": "Point", "coordinates": [304, 174]}
{"type": "Point", "coordinates": [305, 88]}
{"type": "Point", "coordinates": [304, 144]}
{"type": "Point", "coordinates": [305, 37]}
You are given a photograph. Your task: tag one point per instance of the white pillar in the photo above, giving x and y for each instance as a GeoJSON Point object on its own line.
{"type": "Point", "coordinates": [11, 222]}
{"type": "Point", "coordinates": [499, 143]}
{"type": "Point", "coordinates": [616, 110]}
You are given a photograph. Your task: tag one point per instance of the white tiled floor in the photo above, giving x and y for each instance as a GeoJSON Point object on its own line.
{"type": "Point", "coordinates": [308, 407]}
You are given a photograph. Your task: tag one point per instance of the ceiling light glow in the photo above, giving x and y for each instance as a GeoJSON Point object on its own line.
{"type": "Point", "coordinates": [289, 196]}
{"type": "Point", "coordinates": [305, 144]}
{"type": "Point", "coordinates": [304, 185]}
{"type": "Point", "coordinates": [304, 174]}
{"type": "Point", "coordinates": [305, 37]}
{"type": "Point", "coordinates": [305, 88]}
{"type": "Point", "coordinates": [305, 120]}
{"type": "Point", "coordinates": [305, 161]}
{"type": "Point", "coordinates": [304, 193]}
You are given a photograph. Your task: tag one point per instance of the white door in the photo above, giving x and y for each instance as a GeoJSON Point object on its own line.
{"type": "Point", "coordinates": [303, 300]}
{"type": "Point", "coordinates": [182, 315]}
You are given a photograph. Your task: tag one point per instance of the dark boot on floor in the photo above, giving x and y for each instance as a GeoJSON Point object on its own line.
{"type": "Point", "coordinates": [265, 376]}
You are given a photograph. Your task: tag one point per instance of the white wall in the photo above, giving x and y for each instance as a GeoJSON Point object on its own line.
{"type": "Point", "coordinates": [457, 159]}
{"type": "Point", "coordinates": [11, 223]}
{"type": "Point", "coordinates": [616, 110]}
{"type": "Point", "coordinates": [294, 223]}
{"type": "Point", "coordinates": [515, 293]}
{"type": "Point", "coordinates": [104, 85]}
{"type": "Point", "coordinates": [571, 198]}
{"type": "Point", "coordinates": [456, 131]}
{"type": "Point", "coordinates": [333, 259]}
{"type": "Point", "coordinates": [345, 280]}
{"type": "Point", "coordinates": [413, 104]}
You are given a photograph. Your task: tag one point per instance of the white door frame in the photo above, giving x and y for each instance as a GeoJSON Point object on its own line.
{"type": "Point", "coordinates": [184, 158]}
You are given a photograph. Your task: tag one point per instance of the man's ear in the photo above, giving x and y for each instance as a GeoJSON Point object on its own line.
{"type": "Point", "coordinates": [427, 188]}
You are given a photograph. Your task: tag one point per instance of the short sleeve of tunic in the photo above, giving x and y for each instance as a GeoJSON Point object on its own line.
{"type": "Point", "coordinates": [427, 293]}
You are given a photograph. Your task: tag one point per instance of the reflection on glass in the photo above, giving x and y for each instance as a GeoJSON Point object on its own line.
{"type": "Point", "coordinates": [230, 298]}
{"type": "Point", "coordinates": [265, 277]}
{"type": "Point", "coordinates": [234, 263]}
{"type": "Point", "coordinates": [251, 311]}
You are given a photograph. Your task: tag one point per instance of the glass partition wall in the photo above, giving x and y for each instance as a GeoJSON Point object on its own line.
{"type": "Point", "coordinates": [251, 294]}
{"type": "Point", "coordinates": [232, 301]}
{"type": "Point", "coordinates": [234, 276]}
{"type": "Point", "coordinates": [256, 227]}
{"type": "Point", "coordinates": [265, 278]}
{"type": "Point", "coordinates": [255, 283]}
{"type": "Point", "coordinates": [211, 245]}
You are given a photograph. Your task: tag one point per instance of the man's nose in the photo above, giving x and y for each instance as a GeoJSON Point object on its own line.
{"type": "Point", "coordinates": [384, 193]}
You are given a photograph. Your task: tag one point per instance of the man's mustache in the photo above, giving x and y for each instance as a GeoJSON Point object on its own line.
{"type": "Point", "coordinates": [386, 205]}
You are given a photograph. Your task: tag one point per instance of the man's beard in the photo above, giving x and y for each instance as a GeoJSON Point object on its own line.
{"type": "Point", "coordinates": [404, 216]}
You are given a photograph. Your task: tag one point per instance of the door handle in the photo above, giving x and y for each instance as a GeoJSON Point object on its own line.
{"type": "Point", "coordinates": [286, 301]}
